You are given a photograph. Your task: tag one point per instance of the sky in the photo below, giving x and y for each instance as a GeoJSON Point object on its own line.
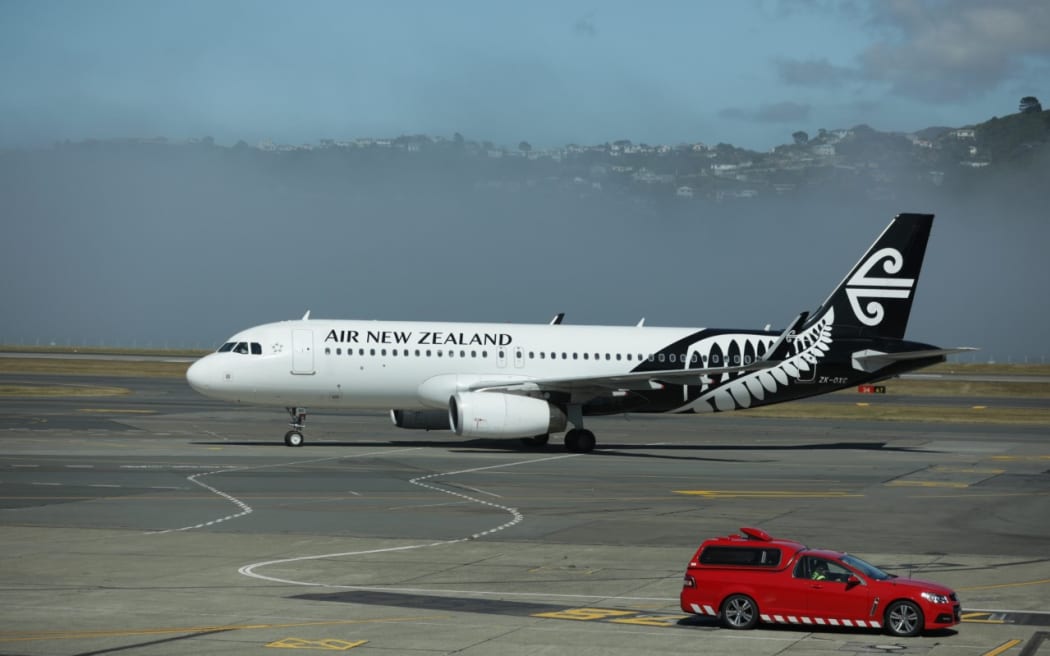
{"type": "Point", "coordinates": [184, 247]}
{"type": "Point", "coordinates": [747, 72]}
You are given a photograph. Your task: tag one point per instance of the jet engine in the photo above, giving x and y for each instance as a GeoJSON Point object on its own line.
{"type": "Point", "coordinates": [421, 419]}
{"type": "Point", "coordinates": [497, 414]}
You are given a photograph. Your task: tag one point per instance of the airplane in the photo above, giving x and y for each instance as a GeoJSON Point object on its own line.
{"type": "Point", "coordinates": [527, 381]}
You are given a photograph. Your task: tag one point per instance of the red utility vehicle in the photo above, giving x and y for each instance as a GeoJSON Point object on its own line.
{"type": "Point", "coordinates": [744, 579]}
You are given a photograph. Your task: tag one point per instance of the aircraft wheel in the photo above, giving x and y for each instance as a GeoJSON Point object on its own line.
{"type": "Point", "coordinates": [293, 438]}
{"type": "Point", "coordinates": [585, 442]}
{"type": "Point", "coordinates": [579, 440]}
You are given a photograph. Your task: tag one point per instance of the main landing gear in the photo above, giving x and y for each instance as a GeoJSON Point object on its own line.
{"type": "Point", "coordinates": [578, 439]}
{"type": "Point", "coordinates": [294, 437]}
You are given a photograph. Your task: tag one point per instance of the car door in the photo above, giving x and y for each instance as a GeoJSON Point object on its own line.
{"type": "Point", "coordinates": [841, 597]}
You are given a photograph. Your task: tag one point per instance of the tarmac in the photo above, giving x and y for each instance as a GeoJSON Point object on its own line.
{"type": "Point", "coordinates": [149, 520]}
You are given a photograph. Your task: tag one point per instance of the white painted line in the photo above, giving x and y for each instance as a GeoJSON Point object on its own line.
{"type": "Point", "coordinates": [48, 484]}
{"type": "Point", "coordinates": [516, 517]}
{"type": "Point", "coordinates": [245, 509]}
{"type": "Point", "coordinates": [80, 466]}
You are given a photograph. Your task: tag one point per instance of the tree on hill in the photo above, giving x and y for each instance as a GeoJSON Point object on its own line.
{"type": "Point", "coordinates": [1029, 105]}
{"type": "Point", "coordinates": [801, 137]}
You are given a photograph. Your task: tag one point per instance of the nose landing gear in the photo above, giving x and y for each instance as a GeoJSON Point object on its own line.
{"type": "Point", "coordinates": [294, 437]}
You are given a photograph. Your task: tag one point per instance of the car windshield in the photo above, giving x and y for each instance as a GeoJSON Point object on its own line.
{"type": "Point", "coordinates": [866, 568]}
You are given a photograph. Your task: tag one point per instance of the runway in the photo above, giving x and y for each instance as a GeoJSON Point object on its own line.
{"type": "Point", "coordinates": [146, 519]}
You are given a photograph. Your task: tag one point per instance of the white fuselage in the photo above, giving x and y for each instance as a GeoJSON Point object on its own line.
{"type": "Point", "coordinates": [416, 365]}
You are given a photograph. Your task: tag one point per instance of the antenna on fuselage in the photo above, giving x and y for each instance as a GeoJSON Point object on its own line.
{"type": "Point", "coordinates": [306, 316]}
{"type": "Point", "coordinates": [557, 319]}
{"type": "Point", "coordinates": [641, 323]}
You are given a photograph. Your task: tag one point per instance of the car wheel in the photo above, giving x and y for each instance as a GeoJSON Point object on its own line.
{"type": "Point", "coordinates": [739, 612]}
{"type": "Point", "coordinates": [904, 618]}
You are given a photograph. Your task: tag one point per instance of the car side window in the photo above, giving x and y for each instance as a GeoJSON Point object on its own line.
{"type": "Point", "coordinates": [820, 569]}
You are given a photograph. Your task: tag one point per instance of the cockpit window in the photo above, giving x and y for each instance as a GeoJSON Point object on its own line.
{"type": "Point", "coordinates": [255, 348]}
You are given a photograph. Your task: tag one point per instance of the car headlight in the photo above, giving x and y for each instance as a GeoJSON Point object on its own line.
{"type": "Point", "coordinates": [935, 598]}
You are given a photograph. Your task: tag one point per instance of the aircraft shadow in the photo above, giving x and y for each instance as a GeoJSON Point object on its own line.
{"type": "Point", "coordinates": [665, 451]}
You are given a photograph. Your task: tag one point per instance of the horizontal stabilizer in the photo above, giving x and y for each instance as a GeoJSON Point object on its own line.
{"type": "Point", "coordinates": [874, 360]}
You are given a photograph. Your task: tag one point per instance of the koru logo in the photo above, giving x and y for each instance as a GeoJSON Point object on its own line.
{"type": "Point", "coordinates": [863, 285]}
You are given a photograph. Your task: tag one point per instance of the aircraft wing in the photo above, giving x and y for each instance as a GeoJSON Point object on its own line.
{"type": "Point", "coordinates": [637, 380]}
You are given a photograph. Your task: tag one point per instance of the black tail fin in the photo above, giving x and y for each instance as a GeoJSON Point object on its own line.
{"type": "Point", "coordinates": [874, 300]}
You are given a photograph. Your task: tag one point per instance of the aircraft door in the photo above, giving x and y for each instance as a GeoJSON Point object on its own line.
{"type": "Point", "coordinates": [303, 351]}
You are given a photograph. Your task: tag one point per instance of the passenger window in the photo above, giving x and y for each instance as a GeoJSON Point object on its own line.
{"type": "Point", "coordinates": [586, 356]}
{"type": "Point", "coordinates": [327, 351]}
{"type": "Point", "coordinates": [338, 351]}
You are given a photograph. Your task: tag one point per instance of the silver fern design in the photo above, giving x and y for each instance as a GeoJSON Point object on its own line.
{"type": "Point", "coordinates": [810, 346]}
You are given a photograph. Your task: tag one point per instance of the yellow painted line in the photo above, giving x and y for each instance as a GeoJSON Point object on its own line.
{"type": "Point", "coordinates": [977, 618]}
{"type": "Point", "coordinates": [1021, 458]}
{"type": "Point", "coordinates": [126, 411]}
{"type": "Point", "coordinates": [863, 405]}
{"type": "Point", "coordinates": [979, 407]}
{"type": "Point", "coordinates": [585, 614]}
{"type": "Point", "coordinates": [966, 470]}
{"type": "Point", "coordinates": [996, 586]}
{"type": "Point", "coordinates": [1009, 644]}
{"type": "Point", "coordinates": [23, 636]}
{"type": "Point", "coordinates": [652, 620]}
{"type": "Point", "coordinates": [765, 494]}
{"type": "Point", "coordinates": [329, 644]}
{"type": "Point", "coordinates": [926, 484]}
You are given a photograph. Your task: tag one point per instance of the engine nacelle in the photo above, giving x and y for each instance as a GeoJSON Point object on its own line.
{"type": "Point", "coordinates": [421, 419]}
{"type": "Point", "coordinates": [496, 414]}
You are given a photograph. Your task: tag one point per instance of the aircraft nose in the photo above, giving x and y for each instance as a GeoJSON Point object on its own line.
{"type": "Point", "coordinates": [201, 375]}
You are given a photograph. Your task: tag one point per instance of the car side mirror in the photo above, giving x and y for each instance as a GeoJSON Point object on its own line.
{"type": "Point", "coordinates": [852, 581]}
